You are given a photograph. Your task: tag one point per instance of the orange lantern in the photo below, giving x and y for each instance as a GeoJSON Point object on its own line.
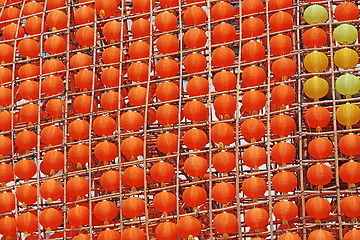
{"type": "Point", "coordinates": [137, 96]}
{"type": "Point", "coordinates": [132, 147]}
{"type": "Point", "coordinates": [222, 134]}
{"type": "Point", "coordinates": [195, 38]}
{"type": "Point", "coordinates": [285, 211]}
{"type": "Point", "coordinates": [25, 169]}
{"type": "Point", "coordinates": [195, 139]}
{"type": "Point", "coordinates": [104, 125]}
{"type": "Point", "coordinates": [51, 190]}
{"type": "Point", "coordinates": [317, 117]}
{"type": "Point", "coordinates": [224, 161]}
{"type": "Point", "coordinates": [188, 227]}
{"type": "Point", "coordinates": [112, 31]}
{"type": "Point", "coordinates": [112, 55]}
{"type": "Point", "coordinates": [319, 175]}
{"type": "Point", "coordinates": [9, 31]}
{"type": "Point", "coordinates": [253, 51]}
{"type": "Point", "coordinates": [254, 101]}
{"type": "Point", "coordinates": [133, 233]}
{"type": "Point", "coordinates": [56, 20]}
{"type": "Point", "coordinates": [55, 44]}
{"type": "Point", "coordinates": [252, 6]}
{"type": "Point", "coordinates": [254, 157]}
{"type": "Point", "coordinates": [194, 196]}
{"type": "Point", "coordinates": [320, 148]}
{"type": "Point", "coordinates": [318, 208]}
{"type": "Point", "coordinates": [167, 44]}
{"type": "Point", "coordinates": [280, 45]}
{"type": "Point", "coordinates": [77, 187]}
{"type": "Point", "coordinates": [346, 11]}
{"type": "Point", "coordinates": [222, 10]}
{"type": "Point", "coordinates": [5, 96]}
{"type": "Point", "coordinates": [53, 66]}
{"type": "Point", "coordinates": [29, 48]}
{"type": "Point", "coordinates": [8, 226]}
{"type": "Point", "coordinates": [109, 234]}
{"type": "Point", "coordinates": [26, 140]}
{"type": "Point", "coordinates": [78, 129]}
{"type": "Point", "coordinates": [51, 135]}
{"type": "Point", "coordinates": [162, 172]}
{"type": "Point", "coordinates": [196, 166]}
{"type": "Point", "coordinates": [6, 173]}
{"type": "Point", "coordinates": [165, 202]}
{"type": "Point", "coordinates": [27, 223]}
{"type": "Point", "coordinates": [52, 85]}
{"type": "Point", "coordinates": [31, 8]}
{"type": "Point", "coordinates": [30, 113]}
{"type": "Point", "coordinates": [252, 27]}
{"type": "Point", "coordinates": [252, 129]}
{"type": "Point", "coordinates": [256, 218]}
{"type": "Point", "coordinates": [350, 206]}
{"type": "Point", "coordinates": [33, 25]}
{"type": "Point", "coordinates": [197, 86]}
{"type": "Point", "coordinates": [195, 15]}
{"type": "Point", "coordinates": [80, 60]}
{"type": "Point", "coordinates": [105, 211]}
{"type": "Point", "coordinates": [110, 77]}
{"type": "Point", "coordinates": [349, 145]}
{"type": "Point", "coordinates": [133, 207]}
{"type": "Point", "coordinates": [84, 14]}
{"type": "Point", "coordinates": [133, 177]}
{"type": "Point", "coordinates": [195, 111]}
{"type": "Point", "coordinates": [195, 62]}
{"type": "Point", "coordinates": [139, 49]}
{"type": "Point", "coordinates": [167, 142]}
{"type": "Point", "coordinates": [26, 194]}
{"type": "Point", "coordinates": [253, 76]}
{"type": "Point", "coordinates": [131, 121]}
{"type": "Point", "coordinates": [78, 216]}
{"type": "Point", "coordinates": [279, 4]}
{"type": "Point", "coordinates": [167, 68]}
{"type": "Point", "coordinates": [320, 234]}
{"type": "Point", "coordinates": [350, 173]}
{"type": "Point", "coordinates": [283, 95]}
{"type": "Point", "coordinates": [225, 105]}
{"type": "Point", "coordinates": [50, 219]}
{"type": "Point", "coordinates": [166, 231]}
{"type": "Point", "coordinates": [110, 180]}
{"type": "Point", "coordinates": [106, 151]}
{"type": "Point", "coordinates": [284, 182]}
{"type": "Point", "coordinates": [281, 21]}
{"type": "Point", "coordinates": [254, 187]}
{"type": "Point", "coordinates": [167, 115]}
{"type": "Point", "coordinates": [53, 161]}
{"type": "Point", "coordinates": [314, 37]}
{"type": "Point", "coordinates": [224, 81]}
{"type": "Point", "coordinates": [141, 28]}
{"type": "Point", "coordinates": [223, 32]}
{"type": "Point", "coordinates": [106, 8]}
{"type": "Point", "coordinates": [79, 154]}
{"type": "Point", "coordinates": [284, 68]}
{"type": "Point", "coordinates": [85, 36]}
{"type": "Point", "coordinates": [110, 101]}
{"type": "Point", "coordinates": [165, 21]}
{"type": "Point", "coordinates": [5, 146]}
{"type": "Point", "coordinates": [352, 235]}
{"type": "Point", "coordinates": [223, 57]}
{"type": "Point", "coordinates": [7, 202]}
{"type": "Point", "coordinates": [282, 125]}
{"type": "Point", "coordinates": [29, 90]}
{"type": "Point", "coordinates": [223, 192]}
{"type": "Point", "coordinates": [225, 223]}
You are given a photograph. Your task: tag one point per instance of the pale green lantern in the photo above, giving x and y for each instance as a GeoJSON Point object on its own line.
{"type": "Point", "coordinates": [315, 14]}
{"type": "Point", "coordinates": [345, 34]}
{"type": "Point", "coordinates": [347, 84]}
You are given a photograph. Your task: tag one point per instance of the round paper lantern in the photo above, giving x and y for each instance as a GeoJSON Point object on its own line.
{"type": "Point", "coordinates": [162, 172]}
{"type": "Point", "coordinates": [77, 187]}
{"type": "Point", "coordinates": [6, 171]}
{"type": "Point", "coordinates": [196, 166]}
{"type": "Point", "coordinates": [284, 68]}
{"type": "Point", "coordinates": [314, 37]}
{"type": "Point", "coordinates": [27, 223]}
{"type": "Point", "coordinates": [223, 57]}
{"type": "Point", "coordinates": [52, 85]}
{"type": "Point", "coordinates": [315, 14]}
{"type": "Point", "coordinates": [133, 233]}
{"type": "Point", "coordinates": [140, 28]}
{"type": "Point", "coordinates": [225, 106]}
{"type": "Point", "coordinates": [256, 218]}
{"type": "Point", "coordinates": [78, 216]}
{"type": "Point", "coordinates": [133, 177]}
{"type": "Point", "coordinates": [316, 88]}
{"type": "Point", "coordinates": [166, 231]}
{"type": "Point", "coordinates": [26, 194]}
{"type": "Point", "coordinates": [347, 84]}
{"type": "Point", "coordinates": [224, 81]}
{"type": "Point", "coordinates": [223, 192]}
{"type": "Point", "coordinates": [197, 86]}
{"type": "Point", "coordinates": [53, 161]}
{"type": "Point", "coordinates": [282, 125]}
{"type": "Point", "coordinates": [195, 139]}
{"type": "Point", "coordinates": [110, 101]}
{"type": "Point", "coordinates": [319, 175]}
{"type": "Point", "coordinates": [132, 147]}
{"type": "Point", "coordinates": [194, 196]}
{"type": "Point", "coordinates": [224, 161]}
{"type": "Point", "coordinates": [5, 146]}
{"type": "Point", "coordinates": [84, 14]}
{"type": "Point", "coordinates": [25, 169]}
{"type": "Point", "coordinates": [346, 11]}
{"type": "Point", "coordinates": [349, 173]}
{"type": "Point", "coordinates": [223, 32]}
{"type": "Point", "coordinates": [195, 62]}
{"type": "Point", "coordinates": [280, 45]}
{"type": "Point", "coordinates": [285, 211]}
{"type": "Point", "coordinates": [139, 49]}
{"type": "Point", "coordinates": [284, 182]}
{"type": "Point", "coordinates": [85, 36]}
{"type": "Point", "coordinates": [29, 48]}
{"type": "Point", "coordinates": [252, 129]}
{"type": "Point", "coordinates": [225, 223]}
{"type": "Point", "coordinates": [167, 68]}
{"type": "Point", "coordinates": [320, 148]}
{"type": "Point", "coordinates": [252, 6]}
{"type": "Point", "coordinates": [50, 219]}
{"type": "Point", "coordinates": [222, 134]}
{"type": "Point", "coordinates": [346, 58]}
{"type": "Point", "coordinates": [32, 8]}
{"type": "Point", "coordinates": [348, 114]}
{"type": "Point", "coordinates": [51, 190]}
{"type": "Point", "coordinates": [252, 27]}
{"type": "Point", "coordinates": [280, 21]}
{"type": "Point", "coordinates": [78, 129]}
{"type": "Point", "coordinates": [254, 101]}
{"type": "Point", "coordinates": [188, 227]}
{"type": "Point", "coordinates": [195, 111]}
{"type": "Point", "coordinates": [221, 10]}
{"type": "Point", "coordinates": [7, 202]}
{"type": "Point", "coordinates": [9, 31]}
{"type": "Point", "coordinates": [133, 207]}
{"type": "Point", "coordinates": [56, 20]}
{"type": "Point", "coordinates": [167, 44]}
{"type": "Point", "coordinates": [316, 62]}
{"type": "Point", "coordinates": [254, 157]}
{"type": "Point", "coordinates": [112, 55]}
{"type": "Point", "coordinates": [195, 38]}
{"type": "Point", "coordinates": [109, 234]}
{"type": "Point", "coordinates": [350, 206]}
{"type": "Point", "coordinates": [349, 144]}
{"type": "Point", "coordinates": [317, 117]}
{"type": "Point", "coordinates": [165, 202]}
{"type": "Point", "coordinates": [167, 115]}
{"type": "Point", "coordinates": [8, 226]}
{"type": "Point", "coordinates": [131, 121]}
{"type": "Point", "coordinates": [54, 66]}
{"type": "Point", "coordinates": [51, 135]}
{"type": "Point", "coordinates": [253, 51]}
{"type": "Point", "coordinates": [345, 34]}
{"type": "Point", "coordinates": [104, 125]}
{"type": "Point", "coordinates": [165, 21]}
{"type": "Point", "coordinates": [318, 208]}
{"type": "Point", "coordinates": [112, 31]}
{"type": "Point", "coordinates": [142, 6]}
{"type": "Point", "coordinates": [194, 15]}
{"type": "Point", "coordinates": [167, 143]}
{"type": "Point", "coordinates": [105, 8]}
{"type": "Point", "coordinates": [283, 95]}
{"type": "Point", "coordinates": [253, 76]}
{"type": "Point", "coordinates": [110, 180]}
{"type": "Point", "coordinates": [279, 4]}
{"type": "Point", "coordinates": [26, 140]}
{"type": "Point", "coordinates": [254, 187]}
{"type": "Point", "coordinates": [105, 211]}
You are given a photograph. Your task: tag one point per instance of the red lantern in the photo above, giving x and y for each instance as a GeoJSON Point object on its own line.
{"type": "Point", "coordinates": [166, 231]}
{"type": "Point", "coordinates": [349, 145]}
{"type": "Point", "coordinates": [285, 211]}
{"type": "Point", "coordinates": [253, 129]}
{"type": "Point", "coordinates": [320, 148]}
{"type": "Point", "coordinates": [256, 218]}
{"type": "Point", "coordinates": [194, 196]}
{"type": "Point", "coordinates": [282, 125]}
{"type": "Point", "coordinates": [254, 187]}
{"type": "Point", "coordinates": [283, 153]}
{"type": "Point", "coordinates": [223, 192]}
{"type": "Point", "coordinates": [196, 166]}
{"type": "Point", "coordinates": [195, 139]}
{"type": "Point", "coordinates": [224, 161]}
{"type": "Point", "coordinates": [319, 174]}
{"type": "Point", "coordinates": [105, 211]}
{"type": "Point", "coordinates": [27, 223]}
{"type": "Point", "coordinates": [167, 143]}
{"type": "Point", "coordinates": [253, 51]}
{"type": "Point", "coordinates": [132, 147]}
{"type": "Point", "coordinates": [350, 206]}
{"type": "Point", "coordinates": [78, 216]}
{"type": "Point", "coordinates": [284, 182]}
{"type": "Point", "coordinates": [165, 202]}
{"type": "Point", "coordinates": [254, 157]}
{"type": "Point", "coordinates": [318, 208]}
{"type": "Point", "coordinates": [222, 134]}
{"type": "Point", "coordinates": [50, 219]}
{"type": "Point", "coordinates": [188, 227]}
{"type": "Point", "coordinates": [133, 207]}
{"type": "Point", "coordinates": [225, 223]}
{"type": "Point", "coordinates": [162, 172]}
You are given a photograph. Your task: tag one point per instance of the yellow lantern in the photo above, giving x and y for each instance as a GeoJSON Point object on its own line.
{"type": "Point", "coordinates": [316, 62]}
{"type": "Point", "coordinates": [346, 58]}
{"type": "Point", "coordinates": [348, 114]}
{"type": "Point", "coordinates": [315, 14]}
{"type": "Point", "coordinates": [316, 88]}
{"type": "Point", "coordinates": [345, 34]}
{"type": "Point", "coordinates": [347, 84]}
